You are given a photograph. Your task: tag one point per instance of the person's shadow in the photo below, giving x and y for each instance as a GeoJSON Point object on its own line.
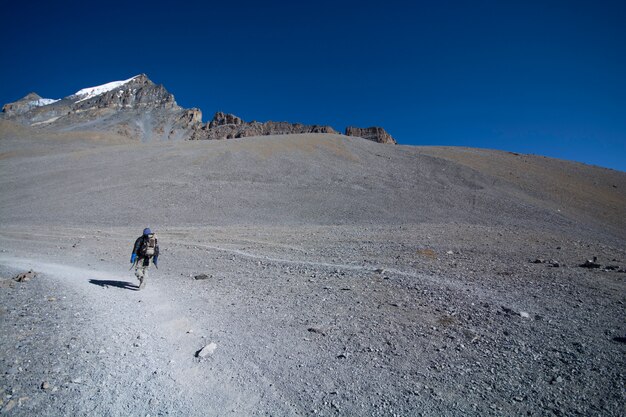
{"type": "Point", "coordinates": [119, 284]}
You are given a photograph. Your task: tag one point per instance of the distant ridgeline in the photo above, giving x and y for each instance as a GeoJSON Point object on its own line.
{"type": "Point", "coordinates": [139, 109]}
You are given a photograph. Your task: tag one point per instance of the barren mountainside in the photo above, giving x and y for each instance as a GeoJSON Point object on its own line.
{"type": "Point", "coordinates": [141, 110]}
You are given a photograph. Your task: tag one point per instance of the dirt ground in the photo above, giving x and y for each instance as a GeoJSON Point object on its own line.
{"type": "Point", "coordinates": [425, 319]}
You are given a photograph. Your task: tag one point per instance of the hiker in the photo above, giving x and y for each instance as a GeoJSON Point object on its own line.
{"type": "Point", "coordinates": [146, 247]}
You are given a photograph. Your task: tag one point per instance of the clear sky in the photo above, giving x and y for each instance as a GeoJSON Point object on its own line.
{"type": "Point", "coordinates": [542, 77]}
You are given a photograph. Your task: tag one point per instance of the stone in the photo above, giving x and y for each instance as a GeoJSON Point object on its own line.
{"type": "Point", "coordinates": [202, 276]}
{"type": "Point", "coordinates": [25, 276]}
{"type": "Point", "coordinates": [507, 310]}
{"type": "Point", "coordinates": [206, 350]}
{"type": "Point", "coordinates": [375, 134]}
{"type": "Point", "coordinates": [318, 330]}
{"type": "Point", "coordinates": [45, 385]}
{"type": "Point", "coordinates": [556, 380]}
{"type": "Point", "coordinates": [591, 264]}
{"type": "Point", "coordinates": [524, 314]}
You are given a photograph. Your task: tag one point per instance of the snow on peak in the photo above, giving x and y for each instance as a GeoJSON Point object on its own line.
{"type": "Point", "coordinates": [87, 93]}
{"type": "Point", "coordinates": [42, 102]}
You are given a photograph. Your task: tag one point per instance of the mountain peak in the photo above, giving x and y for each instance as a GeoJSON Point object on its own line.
{"type": "Point", "coordinates": [25, 104]}
{"type": "Point", "coordinates": [32, 96]}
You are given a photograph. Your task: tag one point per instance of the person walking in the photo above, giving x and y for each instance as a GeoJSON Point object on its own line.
{"type": "Point", "coordinates": [146, 248]}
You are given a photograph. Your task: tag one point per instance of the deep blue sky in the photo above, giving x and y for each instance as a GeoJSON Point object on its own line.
{"type": "Point", "coordinates": [543, 77]}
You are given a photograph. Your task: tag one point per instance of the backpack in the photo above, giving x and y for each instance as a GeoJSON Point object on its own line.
{"type": "Point", "coordinates": [148, 246]}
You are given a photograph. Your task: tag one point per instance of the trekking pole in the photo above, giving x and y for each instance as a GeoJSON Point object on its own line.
{"type": "Point", "coordinates": [133, 265]}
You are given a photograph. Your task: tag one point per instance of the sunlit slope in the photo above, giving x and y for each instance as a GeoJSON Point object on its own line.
{"type": "Point", "coordinates": [294, 179]}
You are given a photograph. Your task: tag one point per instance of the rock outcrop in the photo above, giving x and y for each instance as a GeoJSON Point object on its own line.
{"type": "Point", "coordinates": [139, 109]}
{"type": "Point", "coordinates": [228, 126]}
{"type": "Point", "coordinates": [376, 134]}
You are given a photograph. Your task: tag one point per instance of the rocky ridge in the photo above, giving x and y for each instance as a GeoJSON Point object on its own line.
{"type": "Point", "coordinates": [141, 110]}
{"type": "Point", "coordinates": [376, 134]}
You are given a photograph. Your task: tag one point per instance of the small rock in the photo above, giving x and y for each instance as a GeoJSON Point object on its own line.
{"type": "Point", "coordinates": [590, 263]}
{"type": "Point", "coordinates": [524, 314]}
{"type": "Point", "coordinates": [206, 350]}
{"type": "Point", "coordinates": [45, 385]}
{"type": "Point", "coordinates": [317, 330]}
{"type": "Point", "coordinates": [556, 380]}
{"type": "Point", "coordinates": [450, 252]}
{"type": "Point", "coordinates": [507, 310]}
{"type": "Point", "coordinates": [25, 276]}
{"type": "Point", "coordinates": [202, 276]}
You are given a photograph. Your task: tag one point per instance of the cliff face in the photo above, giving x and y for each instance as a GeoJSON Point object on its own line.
{"type": "Point", "coordinates": [139, 109]}
{"type": "Point", "coordinates": [228, 126]}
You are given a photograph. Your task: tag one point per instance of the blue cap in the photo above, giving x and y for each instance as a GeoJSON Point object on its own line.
{"type": "Point", "coordinates": [147, 231]}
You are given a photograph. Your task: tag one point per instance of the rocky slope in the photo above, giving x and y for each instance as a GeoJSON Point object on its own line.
{"type": "Point", "coordinates": [139, 109]}
{"type": "Point", "coordinates": [340, 277]}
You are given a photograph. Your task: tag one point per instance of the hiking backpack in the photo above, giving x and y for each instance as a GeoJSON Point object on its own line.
{"type": "Point", "coordinates": [148, 246]}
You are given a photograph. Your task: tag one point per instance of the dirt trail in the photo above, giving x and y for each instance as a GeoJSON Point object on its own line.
{"type": "Point", "coordinates": [146, 334]}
